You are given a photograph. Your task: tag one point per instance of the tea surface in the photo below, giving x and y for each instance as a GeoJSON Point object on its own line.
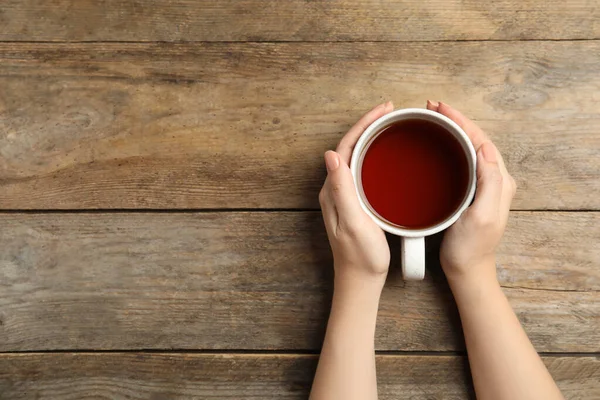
{"type": "Point", "coordinates": [415, 174]}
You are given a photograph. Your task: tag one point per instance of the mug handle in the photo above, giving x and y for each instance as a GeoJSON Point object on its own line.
{"type": "Point", "coordinates": [413, 258]}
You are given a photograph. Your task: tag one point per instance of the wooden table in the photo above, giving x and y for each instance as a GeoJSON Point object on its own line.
{"type": "Point", "coordinates": [160, 235]}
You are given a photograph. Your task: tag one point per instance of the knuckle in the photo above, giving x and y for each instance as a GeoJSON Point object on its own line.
{"type": "Point", "coordinates": [496, 177]}
{"type": "Point", "coordinates": [322, 196]}
{"type": "Point", "coordinates": [337, 188]}
{"type": "Point", "coordinates": [483, 220]}
{"type": "Point", "coordinates": [513, 185]}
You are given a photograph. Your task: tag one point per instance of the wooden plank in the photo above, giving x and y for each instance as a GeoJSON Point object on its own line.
{"type": "Point", "coordinates": [263, 281]}
{"type": "Point", "coordinates": [226, 376]}
{"type": "Point", "coordinates": [245, 125]}
{"type": "Point", "coordinates": [293, 20]}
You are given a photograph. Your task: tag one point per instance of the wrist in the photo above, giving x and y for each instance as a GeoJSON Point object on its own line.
{"type": "Point", "coordinates": [352, 280]}
{"type": "Point", "coordinates": [356, 293]}
{"type": "Point", "coordinates": [477, 282]}
{"type": "Point", "coordinates": [471, 272]}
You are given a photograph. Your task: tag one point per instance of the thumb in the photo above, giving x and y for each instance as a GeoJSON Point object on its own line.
{"type": "Point", "coordinates": [341, 186]}
{"type": "Point", "coordinates": [489, 182]}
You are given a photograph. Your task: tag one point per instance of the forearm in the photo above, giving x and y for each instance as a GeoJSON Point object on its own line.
{"type": "Point", "coordinates": [504, 364]}
{"type": "Point", "coordinates": [346, 367]}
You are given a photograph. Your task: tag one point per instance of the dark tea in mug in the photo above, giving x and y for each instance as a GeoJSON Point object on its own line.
{"type": "Point", "coordinates": [415, 174]}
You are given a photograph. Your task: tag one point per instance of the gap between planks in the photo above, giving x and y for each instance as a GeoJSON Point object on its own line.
{"type": "Point", "coordinates": [298, 352]}
{"type": "Point", "coordinates": [291, 41]}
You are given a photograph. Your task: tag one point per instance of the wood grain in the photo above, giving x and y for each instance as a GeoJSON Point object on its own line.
{"type": "Point", "coordinates": [245, 125]}
{"type": "Point", "coordinates": [155, 376]}
{"type": "Point", "coordinates": [256, 280]}
{"type": "Point", "coordinates": [293, 20]}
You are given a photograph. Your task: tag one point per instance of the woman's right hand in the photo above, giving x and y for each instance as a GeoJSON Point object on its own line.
{"type": "Point", "coordinates": [359, 246]}
{"type": "Point", "coordinates": [469, 246]}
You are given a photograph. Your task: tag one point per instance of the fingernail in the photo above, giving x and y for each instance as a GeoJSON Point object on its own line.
{"type": "Point", "coordinates": [489, 152]}
{"type": "Point", "coordinates": [389, 104]}
{"type": "Point", "coordinates": [433, 104]}
{"type": "Point", "coordinates": [332, 160]}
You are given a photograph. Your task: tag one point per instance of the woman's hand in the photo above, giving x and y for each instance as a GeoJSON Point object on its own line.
{"type": "Point", "coordinates": [361, 256]}
{"type": "Point", "coordinates": [359, 246]}
{"type": "Point", "coordinates": [469, 246]}
{"type": "Point", "coordinates": [503, 362]}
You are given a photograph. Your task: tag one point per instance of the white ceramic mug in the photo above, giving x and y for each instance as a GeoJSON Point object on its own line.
{"type": "Point", "coordinates": [413, 240]}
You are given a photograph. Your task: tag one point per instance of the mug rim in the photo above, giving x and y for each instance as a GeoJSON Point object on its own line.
{"type": "Point", "coordinates": [374, 130]}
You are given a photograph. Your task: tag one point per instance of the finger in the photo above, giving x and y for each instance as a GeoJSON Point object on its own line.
{"type": "Point", "coordinates": [475, 133]}
{"type": "Point", "coordinates": [346, 145]}
{"type": "Point", "coordinates": [328, 209]}
{"type": "Point", "coordinates": [508, 193]}
{"type": "Point", "coordinates": [342, 189]}
{"type": "Point", "coordinates": [489, 183]}
{"type": "Point", "coordinates": [503, 169]}
{"type": "Point", "coordinates": [433, 105]}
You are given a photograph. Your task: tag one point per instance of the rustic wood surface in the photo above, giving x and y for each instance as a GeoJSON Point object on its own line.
{"type": "Point", "coordinates": [261, 280]}
{"type": "Point", "coordinates": [159, 169]}
{"type": "Point", "coordinates": [245, 125]}
{"type": "Point", "coordinates": [293, 20]}
{"type": "Point", "coordinates": [157, 376]}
